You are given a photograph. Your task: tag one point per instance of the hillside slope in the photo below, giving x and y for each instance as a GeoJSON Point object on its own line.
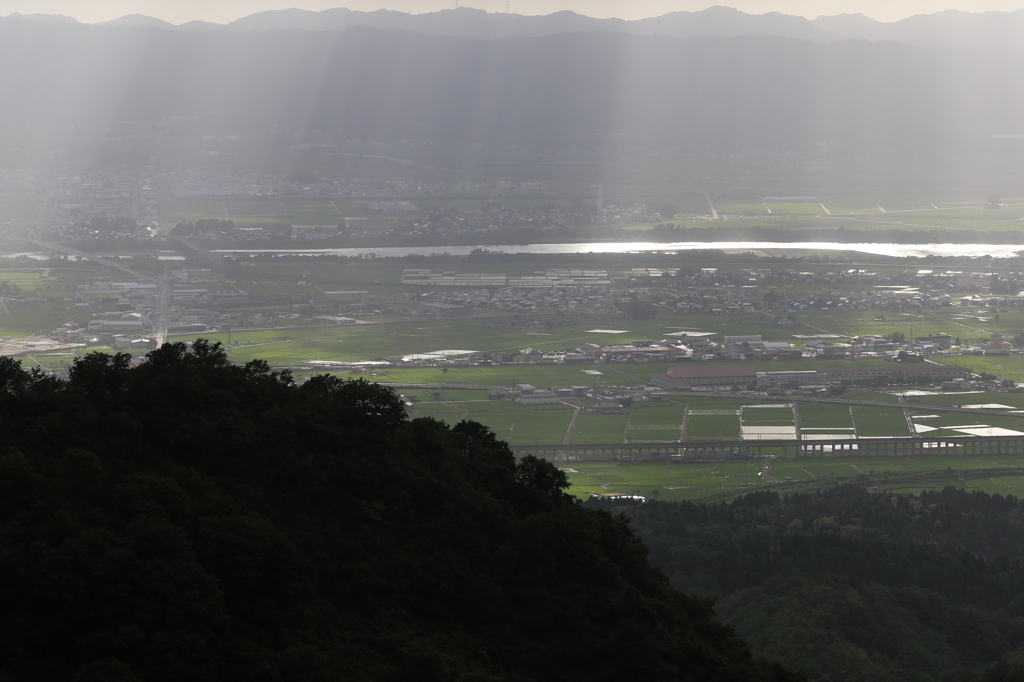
{"type": "Point", "coordinates": [879, 587]}
{"type": "Point", "coordinates": [192, 520]}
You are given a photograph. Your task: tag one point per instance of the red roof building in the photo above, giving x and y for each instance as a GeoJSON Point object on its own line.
{"type": "Point", "coordinates": [684, 376]}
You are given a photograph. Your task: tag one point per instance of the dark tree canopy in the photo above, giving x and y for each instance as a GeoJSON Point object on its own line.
{"type": "Point", "coordinates": [882, 587]}
{"type": "Point", "coordinates": [192, 519]}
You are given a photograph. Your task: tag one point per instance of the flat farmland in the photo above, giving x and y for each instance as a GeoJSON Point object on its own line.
{"type": "Point", "coordinates": [824, 416]}
{"type": "Point", "coordinates": [712, 418]}
{"type": "Point", "coordinates": [458, 396]}
{"type": "Point", "coordinates": [706, 417]}
{"type": "Point", "coordinates": [364, 342]}
{"type": "Point", "coordinates": [724, 480]}
{"type": "Point", "coordinates": [33, 284]}
{"type": "Point", "coordinates": [447, 412]}
{"type": "Point", "coordinates": [767, 416]}
{"type": "Point", "coordinates": [862, 203]}
{"type": "Point", "coordinates": [867, 213]}
{"type": "Point", "coordinates": [1004, 367]}
{"type": "Point", "coordinates": [599, 428]}
{"type": "Point", "coordinates": [541, 425]}
{"type": "Point", "coordinates": [254, 211]}
{"type": "Point", "coordinates": [20, 323]}
{"type": "Point", "coordinates": [743, 208]}
{"type": "Point", "coordinates": [791, 208]}
{"type": "Point", "coordinates": [655, 422]}
{"type": "Point", "coordinates": [817, 470]}
{"type": "Point", "coordinates": [872, 396]}
{"type": "Point", "coordinates": [879, 422]}
{"type": "Point", "coordinates": [672, 482]}
{"type": "Point", "coordinates": [499, 416]}
{"type": "Point", "coordinates": [712, 423]}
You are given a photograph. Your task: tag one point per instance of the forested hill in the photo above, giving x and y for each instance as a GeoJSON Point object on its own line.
{"type": "Point", "coordinates": [868, 586]}
{"type": "Point", "coordinates": [187, 519]}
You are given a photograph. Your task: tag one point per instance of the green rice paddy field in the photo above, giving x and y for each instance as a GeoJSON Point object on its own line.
{"type": "Point", "coordinates": [707, 417]}
{"type": "Point", "coordinates": [692, 481]}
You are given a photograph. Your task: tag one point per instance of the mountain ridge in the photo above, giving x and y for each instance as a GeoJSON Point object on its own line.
{"type": "Point", "coordinates": [948, 27]}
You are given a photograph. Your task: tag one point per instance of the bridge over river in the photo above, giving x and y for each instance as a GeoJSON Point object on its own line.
{"type": "Point", "coordinates": [721, 449]}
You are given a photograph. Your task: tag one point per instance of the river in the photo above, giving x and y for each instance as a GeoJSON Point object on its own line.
{"type": "Point", "coordinates": [964, 250]}
{"type": "Point", "coordinates": [961, 250]}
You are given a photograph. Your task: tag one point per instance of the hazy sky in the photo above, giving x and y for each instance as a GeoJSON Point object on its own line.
{"type": "Point", "coordinates": [221, 11]}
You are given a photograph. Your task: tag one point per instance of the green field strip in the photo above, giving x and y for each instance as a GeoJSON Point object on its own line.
{"type": "Point", "coordinates": [499, 423]}
{"type": "Point", "coordinates": [541, 425]}
{"type": "Point", "coordinates": [671, 481]}
{"type": "Point", "coordinates": [599, 428]}
{"type": "Point", "coordinates": [996, 474]}
{"type": "Point", "coordinates": [655, 422]}
{"type": "Point", "coordinates": [783, 413]}
{"type": "Point", "coordinates": [705, 403]}
{"type": "Point", "coordinates": [446, 394]}
{"type": "Point", "coordinates": [871, 396]}
{"type": "Point", "coordinates": [1003, 485]}
{"type": "Point", "coordinates": [19, 323]}
{"type": "Point", "coordinates": [879, 422]}
{"type": "Point", "coordinates": [824, 415]}
{"type": "Point", "coordinates": [655, 414]}
{"type": "Point", "coordinates": [441, 411]}
{"type": "Point", "coordinates": [492, 407]}
{"type": "Point", "coordinates": [700, 426]}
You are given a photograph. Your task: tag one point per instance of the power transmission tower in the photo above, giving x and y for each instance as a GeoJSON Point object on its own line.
{"type": "Point", "coordinates": [775, 544]}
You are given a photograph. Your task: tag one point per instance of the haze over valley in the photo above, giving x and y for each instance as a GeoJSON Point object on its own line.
{"type": "Point", "coordinates": [474, 346]}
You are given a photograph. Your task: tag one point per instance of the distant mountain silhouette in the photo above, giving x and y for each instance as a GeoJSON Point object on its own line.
{"type": "Point", "coordinates": [138, 20]}
{"type": "Point", "coordinates": [999, 30]}
{"type": "Point", "coordinates": [987, 30]}
{"type": "Point", "coordinates": [42, 18]}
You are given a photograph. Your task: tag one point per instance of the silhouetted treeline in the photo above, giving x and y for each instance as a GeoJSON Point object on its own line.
{"type": "Point", "coordinates": [190, 519]}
